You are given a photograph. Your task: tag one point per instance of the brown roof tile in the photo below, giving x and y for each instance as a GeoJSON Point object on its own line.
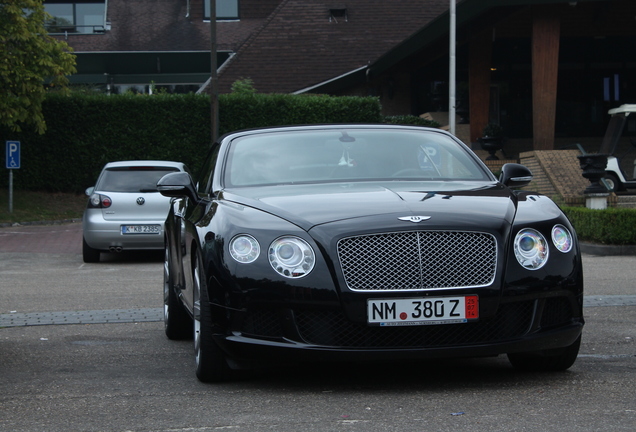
{"type": "Point", "coordinates": [299, 45]}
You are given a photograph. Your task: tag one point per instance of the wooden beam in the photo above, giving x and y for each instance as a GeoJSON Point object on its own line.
{"type": "Point", "coordinates": [546, 28]}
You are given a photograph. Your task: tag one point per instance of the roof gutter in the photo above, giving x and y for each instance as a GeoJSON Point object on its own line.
{"type": "Point", "coordinates": [317, 87]}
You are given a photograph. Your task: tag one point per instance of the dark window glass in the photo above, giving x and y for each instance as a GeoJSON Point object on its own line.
{"type": "Point", "coordinates": [75, 17]}
{"type": "Point", "coordinates": [225, 9]}
{"type": "Point", "coordinates": [204, 181]}
{"type": "Point", "coordinates": [139, 179]}
{"type": "Point", "coordinates": [349, 155]}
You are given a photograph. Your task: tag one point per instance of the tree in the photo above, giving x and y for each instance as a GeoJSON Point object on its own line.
{"type": "Point", "coordinates": [31, 63]}
{"type": "Point", "coordinates": [243, 86]}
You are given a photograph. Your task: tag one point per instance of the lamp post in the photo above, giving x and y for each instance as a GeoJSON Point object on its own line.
{"type": "Point", "coordinates": [452, 67]}
{"type": "Point", "coordinates": [214, 85]}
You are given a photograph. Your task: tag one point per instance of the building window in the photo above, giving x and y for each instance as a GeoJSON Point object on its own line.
{"type": "Point", "coordinates": [225, 9]}
{"type": "Point", "coordinates": [77, 17]}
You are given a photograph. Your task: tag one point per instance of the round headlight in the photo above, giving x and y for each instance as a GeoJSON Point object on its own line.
{"type": "Point", "coordinates": [291, 257]}
{"type": "Point", "coordinates": [562, 238]}
{"type": "Point", "coordinates": [244, 248]}
{"type": "Point", "coordinates": [531, 249]}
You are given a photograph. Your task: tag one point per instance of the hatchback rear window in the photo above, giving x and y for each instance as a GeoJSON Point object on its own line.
{"type": "Point", "coordinates": [132, 179]}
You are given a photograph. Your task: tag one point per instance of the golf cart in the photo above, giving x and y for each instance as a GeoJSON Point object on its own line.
{"type": "Point", "coordinates": [615, 177]}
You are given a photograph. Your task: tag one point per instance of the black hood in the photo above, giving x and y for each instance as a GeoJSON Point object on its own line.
{"type": "Point", "coordinates": [446, 203]}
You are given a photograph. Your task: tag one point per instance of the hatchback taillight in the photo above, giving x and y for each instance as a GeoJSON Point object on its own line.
{"type": "Point", "coordinates": [99, 201]}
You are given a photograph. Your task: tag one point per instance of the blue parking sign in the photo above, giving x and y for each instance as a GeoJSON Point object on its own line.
{"type": "Point", "coordinates": [13, 154]}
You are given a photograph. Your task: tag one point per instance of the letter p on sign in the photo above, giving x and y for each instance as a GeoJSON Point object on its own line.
{"type": "Point", "coordinates": [13, 154]}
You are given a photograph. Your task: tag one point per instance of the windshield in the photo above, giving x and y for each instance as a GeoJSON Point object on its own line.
{"type": "Point", "coordinates": [348, 155]}
{"type": "Point", "coordinates": [132, 179]}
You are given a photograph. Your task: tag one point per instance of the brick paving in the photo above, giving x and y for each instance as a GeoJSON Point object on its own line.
{"type": "Point", "coordinates": [119, 316]}
{"type": "Point", "coordinates": [57, 238]}
{"type": "Point", "coordinates": [109, 316]}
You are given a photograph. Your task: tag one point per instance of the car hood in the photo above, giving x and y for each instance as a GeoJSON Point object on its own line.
{"type": "Point", "coordinates": [447, 204]}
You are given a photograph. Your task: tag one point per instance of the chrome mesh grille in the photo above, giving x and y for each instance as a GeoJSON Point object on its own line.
{"type": "Point", "coordinates": [418, 260]}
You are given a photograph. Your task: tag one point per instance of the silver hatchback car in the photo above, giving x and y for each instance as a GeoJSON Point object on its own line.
{"type": "Point", "coordinates": [125, 211]}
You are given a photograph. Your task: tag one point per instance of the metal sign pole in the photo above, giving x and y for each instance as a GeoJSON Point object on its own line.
{"type": "Point", "coordinates": [214, 84]}
{"type": "Point", "coordinates": [452, 67]}
{"type": "Point", "coordinates": [13, 162]}
{"type": "Point", "coordinates": [10, 191]}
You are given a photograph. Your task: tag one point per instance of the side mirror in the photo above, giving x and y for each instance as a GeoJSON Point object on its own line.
{"type": "Point", "coordinates": [89, 191]}
{"type": "Point", "coordinates": [177, 185]}
{"type": "Point", "coordinates": [515, 175]}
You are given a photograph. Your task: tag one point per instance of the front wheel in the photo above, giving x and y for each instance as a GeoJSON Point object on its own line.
{"type": "Point", "coordinates": [554, 360]}
{"type": "Point", "coordinates": [613, 182]}
{"type": "Point", "coordinates": [211, 364]}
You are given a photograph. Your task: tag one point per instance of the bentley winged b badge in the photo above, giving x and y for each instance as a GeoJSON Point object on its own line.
{"type": "Point", "coordinates": [414, 219]}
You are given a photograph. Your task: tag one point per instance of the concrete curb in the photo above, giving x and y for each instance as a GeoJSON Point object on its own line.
{"type": "Point", "coordinates": [607, 250]}
{"type": "Point", "coordinates": [53, 222]}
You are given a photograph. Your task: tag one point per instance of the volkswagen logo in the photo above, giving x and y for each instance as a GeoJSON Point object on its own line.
{"type": "Point", "coordinates": [414, 219]}
{"type": "Point", "coordinates": [141, 200]}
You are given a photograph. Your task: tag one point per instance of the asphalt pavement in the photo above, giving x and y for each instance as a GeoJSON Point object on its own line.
{"type": "Point", "coordinates": [82, 349]}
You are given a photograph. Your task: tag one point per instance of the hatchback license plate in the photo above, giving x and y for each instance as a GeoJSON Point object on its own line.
{"type": "Point", "coordinates": [140, 229]}
{"type": "Point", "coordinates": [422, 311]}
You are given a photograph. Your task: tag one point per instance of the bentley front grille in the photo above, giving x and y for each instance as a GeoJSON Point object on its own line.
{"type": "Point", "coordinates": [418, 260]}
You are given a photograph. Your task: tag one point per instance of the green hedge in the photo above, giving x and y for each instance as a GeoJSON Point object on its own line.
{"type": "Point", "coordinates": [86, 131]}
{"type": "Point", "coordinates": [243, 111]}
{"type": "Point", "coordinates": [611, 226]}
{"type": "Point", "coordinates": [410, 120]}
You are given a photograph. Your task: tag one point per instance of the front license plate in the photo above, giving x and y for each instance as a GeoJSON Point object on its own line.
{"type": "Point", "coordinates": [140, 229]}
{"type": "Point", "coordinates": [422, 311]}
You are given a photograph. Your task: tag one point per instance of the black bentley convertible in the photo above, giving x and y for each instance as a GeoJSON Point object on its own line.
{"type": "Point", "coordinates": [365, 242]}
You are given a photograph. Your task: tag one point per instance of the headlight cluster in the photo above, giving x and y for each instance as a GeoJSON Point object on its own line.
{"type": "Point", "coordinates": [289, 256]}
{"type": "Point", "coordinates": [244, 248]}
{"type": "Point", "coordinates": [531, 247]}
{"type": "Point", "coordinates": [562, 238]}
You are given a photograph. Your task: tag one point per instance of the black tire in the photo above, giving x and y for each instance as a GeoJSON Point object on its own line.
{"type": "Point", "coordinates": [211, 363]}
{"type": "Point", "coordinates": [89, 254]}
{"type": "Point", "coordinates": [554, 360]}
{"type": "Point", "coordinates": [177, 322]}
{"type": "Point", "coordinates": [613, 182]}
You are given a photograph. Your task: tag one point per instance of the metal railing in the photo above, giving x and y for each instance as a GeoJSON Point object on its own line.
{"type": "Point", "coordinates": [65, 29]}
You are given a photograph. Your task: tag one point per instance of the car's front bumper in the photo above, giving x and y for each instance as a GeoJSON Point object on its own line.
{"type": "Point", "coordinates": [285, 334]}
{"type": "Point", "coordinates": [244, 349]}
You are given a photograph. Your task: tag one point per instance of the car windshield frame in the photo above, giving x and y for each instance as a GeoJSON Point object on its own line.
{"type": "Point", "coordinates": [310, 156]}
